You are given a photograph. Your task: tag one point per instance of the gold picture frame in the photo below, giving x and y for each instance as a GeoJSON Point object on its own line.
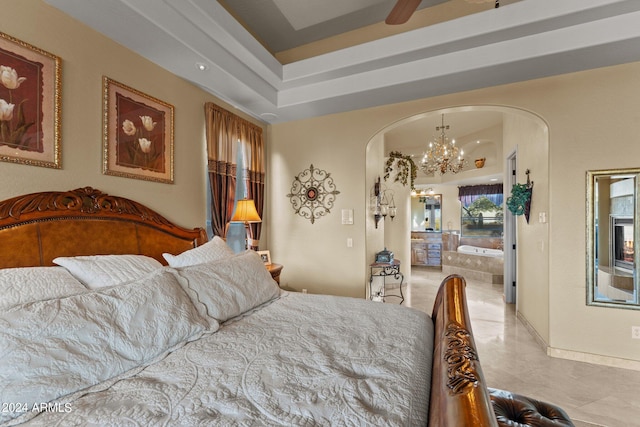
{"type": "Point", "coordinates": [137, 134]}
{"type": "Point", "coordinates": [30, 86]}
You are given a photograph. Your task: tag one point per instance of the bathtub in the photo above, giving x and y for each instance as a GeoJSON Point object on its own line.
{"type": "Point", "coordinates": [472, 262]}
{"type": "Point", "coordinates": [475, 250]}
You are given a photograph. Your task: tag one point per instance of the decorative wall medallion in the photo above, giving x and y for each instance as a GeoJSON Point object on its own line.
{"type": "Point", "coordinates": [313, 193]}
{"type": "Point", "coordinates": [458, 357]}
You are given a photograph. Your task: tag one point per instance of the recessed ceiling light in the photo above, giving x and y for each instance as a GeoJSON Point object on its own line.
{"type": "Point", "coordinates": [202, 67]}
{"type": "Point", "coordinates": [493, 179]}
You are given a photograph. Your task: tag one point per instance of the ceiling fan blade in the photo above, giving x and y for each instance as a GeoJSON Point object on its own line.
{"type": "Point", "coordinates": [402, 11]}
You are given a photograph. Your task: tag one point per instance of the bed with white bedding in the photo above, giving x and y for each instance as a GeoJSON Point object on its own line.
{"type": "Point", "coordinates": [99, 330]}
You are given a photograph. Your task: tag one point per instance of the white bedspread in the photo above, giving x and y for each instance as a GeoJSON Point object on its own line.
{"type": "Point", "coordinates": [300, 360]}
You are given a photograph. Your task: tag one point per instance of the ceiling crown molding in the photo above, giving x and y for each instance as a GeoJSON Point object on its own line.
{"type": "Point", "coordinates": [522, 41]}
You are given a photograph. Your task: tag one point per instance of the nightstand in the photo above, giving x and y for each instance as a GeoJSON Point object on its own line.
{"type": "Point", "coordinates": [275, 270]}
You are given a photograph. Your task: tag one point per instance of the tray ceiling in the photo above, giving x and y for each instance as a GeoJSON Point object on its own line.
{"type": "Point", "coordinates": [524, 40]}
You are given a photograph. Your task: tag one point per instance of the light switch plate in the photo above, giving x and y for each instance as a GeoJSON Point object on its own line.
{"type": "Point", "coordinates": [347, 216]}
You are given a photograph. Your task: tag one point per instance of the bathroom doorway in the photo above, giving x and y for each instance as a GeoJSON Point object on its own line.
{"type": "Point", "coordinates": [510, 234]}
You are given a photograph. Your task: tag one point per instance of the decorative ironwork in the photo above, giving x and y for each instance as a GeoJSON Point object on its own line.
{"type": "Point", "coordinates": [384, 270]}
{"type": "Point", "coordinates": [459, 356]}
{"type": "Point", "coordinates": [313, 193]}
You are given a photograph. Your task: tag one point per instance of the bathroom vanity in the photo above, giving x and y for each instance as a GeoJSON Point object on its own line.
{"type": "Point", "coordinates": [426, 248]}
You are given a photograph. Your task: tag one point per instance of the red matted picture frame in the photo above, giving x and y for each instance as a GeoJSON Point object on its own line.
{"type": "Point", "coordinates": [137, 134]}
{"type": "Point", "coordinates": [30, 85]}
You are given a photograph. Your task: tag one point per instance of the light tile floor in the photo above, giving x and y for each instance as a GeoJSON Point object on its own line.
{"type": "Point", "coordinates": [592, 395]}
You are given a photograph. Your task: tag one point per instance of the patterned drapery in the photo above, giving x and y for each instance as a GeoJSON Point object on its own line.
{"type": "Point", "coordinates": [226, 133]}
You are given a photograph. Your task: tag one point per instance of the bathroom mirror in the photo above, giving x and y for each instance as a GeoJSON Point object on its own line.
{"type": "Point", "coordinates": [426, 212]}
{"type": "Point", "coordinates": [613, 238]}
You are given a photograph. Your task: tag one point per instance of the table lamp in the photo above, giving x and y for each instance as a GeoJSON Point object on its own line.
{"type": "Point", "coordinates": [246, 213]}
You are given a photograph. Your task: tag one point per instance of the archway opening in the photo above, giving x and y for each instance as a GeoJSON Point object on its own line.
{"type": "Point", "coordinates": [487, 133]}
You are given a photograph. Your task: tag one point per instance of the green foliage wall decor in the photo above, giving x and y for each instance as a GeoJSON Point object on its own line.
{"type": "Point", "coordinates": [519, 203]}
{"type": "Point", "coordinates": [406, 168]}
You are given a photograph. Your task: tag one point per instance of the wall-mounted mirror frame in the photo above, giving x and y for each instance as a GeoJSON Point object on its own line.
{"type": "Point", "coordinates": [613, 238]}
{"type": "Point", "coordinates": [426, 212]}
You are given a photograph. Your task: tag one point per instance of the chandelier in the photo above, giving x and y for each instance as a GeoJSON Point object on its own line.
{"type": "Point", "coordinates": [442, 156]}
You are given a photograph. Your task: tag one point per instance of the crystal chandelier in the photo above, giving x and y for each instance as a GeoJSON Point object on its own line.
{"type": "Point", "coordinates": [442, 156]}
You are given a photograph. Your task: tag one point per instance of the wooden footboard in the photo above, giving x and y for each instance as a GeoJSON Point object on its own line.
{"type": "Point", "coordinates": [459, 395]}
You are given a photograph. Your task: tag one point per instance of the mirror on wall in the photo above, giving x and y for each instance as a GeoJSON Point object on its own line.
{"type": "Point", "coordinates": [612, 238]}
{"type": "Point", "coordinates": [426, 212]}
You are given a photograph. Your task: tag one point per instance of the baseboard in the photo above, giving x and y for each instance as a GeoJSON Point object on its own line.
{"type": "Point", "coordinates": [578, 356]}
{"type": "Point", "coordinates": [536, 336]}
{"type": "Point", "coordinates": [596, 359]}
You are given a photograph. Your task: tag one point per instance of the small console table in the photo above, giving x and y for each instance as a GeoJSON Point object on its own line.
{"type": "Point", "coordinates": [384, 270]}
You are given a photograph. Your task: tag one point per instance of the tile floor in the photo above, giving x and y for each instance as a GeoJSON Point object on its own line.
{"type": "Point", "coordinates": [592, 395]}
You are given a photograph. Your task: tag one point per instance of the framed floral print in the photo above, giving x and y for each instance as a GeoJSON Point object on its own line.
{"type": "Point", "coordinates": [138, 134]}
{"type": "Point", "coordinates": [30, 84]}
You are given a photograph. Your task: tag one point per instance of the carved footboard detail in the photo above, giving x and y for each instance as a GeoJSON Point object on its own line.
{"type": "Point", "coordinates": [459, 395]}
{"type": "Point", "coordinates": [459, 356]}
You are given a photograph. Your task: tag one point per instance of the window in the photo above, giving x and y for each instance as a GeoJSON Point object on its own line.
{"type": "Point", "coordinates": [482, 212]}
{"type": "Point", "coordinates": [236, 233]}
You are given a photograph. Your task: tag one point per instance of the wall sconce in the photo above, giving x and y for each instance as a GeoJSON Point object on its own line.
{"type": "Point", "coordinates": [382, 203]}
{"type": "Point", "coordinates": [388, 204]}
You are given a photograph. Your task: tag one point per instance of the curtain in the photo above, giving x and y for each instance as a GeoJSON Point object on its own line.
{"type": "Point", "coordinates": [221, 165]}
{"type": "Point", "coordinates": [225, 133]}
{"type": "Point", "coordinates": [468, 193]}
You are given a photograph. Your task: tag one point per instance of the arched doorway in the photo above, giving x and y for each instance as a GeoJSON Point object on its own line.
{"type": "Point", "coordinates": [489, 132]}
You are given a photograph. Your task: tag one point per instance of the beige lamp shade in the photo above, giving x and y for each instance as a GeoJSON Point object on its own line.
{"type": "Point", "coordinates": [245, 212]}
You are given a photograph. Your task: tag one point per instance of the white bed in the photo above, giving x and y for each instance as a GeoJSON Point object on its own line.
{"type": "Point", "coordinates": [96, 329]}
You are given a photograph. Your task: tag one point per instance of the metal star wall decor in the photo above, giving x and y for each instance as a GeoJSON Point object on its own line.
{"type": "Point", "coordinates": [313, 193]}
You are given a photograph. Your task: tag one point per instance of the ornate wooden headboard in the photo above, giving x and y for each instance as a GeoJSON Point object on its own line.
{"type": "Point", "coordinates": [36, 228]}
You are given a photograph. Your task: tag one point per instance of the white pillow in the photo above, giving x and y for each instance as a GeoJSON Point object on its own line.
{"type": "Point", "coordinates": [28, 284]}
{"type": "Point", "coordinates": [54, 348]}
{"type": "Point", "coordinates": [97, 271]}
{"type": "Point", "coordinates": [229, 287]}
{"type": "Point", "coordinates": [213, 250]}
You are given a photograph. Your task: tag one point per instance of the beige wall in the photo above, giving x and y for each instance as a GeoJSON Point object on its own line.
{"type": "Point", "coordinates": [528, 135]}
{"type": "Point", "coordinates": [86, 57]}
{"type": "Point", "coordinates": [593, 123]}
{"type": "Point", "coordinates": [374, 239]}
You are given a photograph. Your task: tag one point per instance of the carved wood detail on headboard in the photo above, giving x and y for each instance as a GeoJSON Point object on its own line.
{"type": "Point", "coordinates": [84, 200]}
{"type": "Point", "coordinates": [37, 227]}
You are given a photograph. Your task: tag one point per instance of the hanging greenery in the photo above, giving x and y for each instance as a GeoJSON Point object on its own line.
{"type": "Point", "coordinates": [520, 198]}
{"type": "Point", "coordinates": [407, 170]}
{"type": "Point", "coordinates": [520, 201]}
